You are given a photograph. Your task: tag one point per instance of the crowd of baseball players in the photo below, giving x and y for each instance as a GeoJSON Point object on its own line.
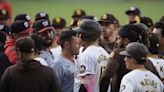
{"type": "Point", "coordinates": [87, 55]}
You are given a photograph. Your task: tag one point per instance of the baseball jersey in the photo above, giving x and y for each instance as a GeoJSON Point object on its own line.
{"type": "Point", "coordinates": [47, 56]}
{"type": "Point", "coordinates": [159, 65]}
{"type": "Point", "coordinates": [41, 60]}
{"type": "Point", "coordinates": [56, 52]}
{"type": "Point", "coordinates": [91, 61]}
{"type": "Point", "coordinates": [141, 81]}
{"type": "Point", "coordinates": [65, 70]}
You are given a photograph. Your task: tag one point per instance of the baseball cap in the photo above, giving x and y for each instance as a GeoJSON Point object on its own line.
{"type": "Point", "coordinates": [136, 50]}
{"type": "Point", "coordinates": [142, 26]}
{"type": "Point", "coordinates": [147, 21]}
{"type": "Point", "coordinates": [24, 17]}
{"type": "Point", "coordinates": [78, 13]}
{"type": "Point", "coordinates": [25, 44]}
{"type": "Point", "coordinates": [58, 22]}
{"type": "Point", "coordinates": [42, 25]}
{"type": "Point", "coordinates": [41, 15]}
{"type": "Point", "coordinates": [107, 18]}
{"type": "Point", "coordinates": [89, 17]}
{"type": "Point", "coordinates": [21, 27]}
{"type": "Point", "coordinates": [4, 29]}
{"type": "Point", "coordinates": [133, 10]}
{"type": "Point", "coordinates": [4, 14]}
{"type": "Point", "coordinates": [88, 26]}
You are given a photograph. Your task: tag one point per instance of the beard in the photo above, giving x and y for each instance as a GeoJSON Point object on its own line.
{"type": "Point", "coordinates": [47, 42]}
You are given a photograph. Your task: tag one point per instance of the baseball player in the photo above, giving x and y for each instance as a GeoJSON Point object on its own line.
{"type": "Point", "coordinates": [133, 14]}
{"type": "Point", "coordinates": [110, 27]}
{"type": "Point", "coordinates": [92, 60]}
{"type": "Point", "coordinates": [59, 25]}
{"type": "Point", "coordinates": [77, 15]}
{"type": "Point", "coordinates": [45, 33]}
{"type": "Point", "coordinates": [159, 31]}
{"type": "Point", "coordinates": [153, 57]}
{"type": "Point", "coordinates": [139, 79]}
{"type": "Point", "coordinates": [64, 66]}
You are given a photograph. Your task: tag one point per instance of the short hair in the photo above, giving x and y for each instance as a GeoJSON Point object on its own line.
{"type": "Point", "coordinates": [134, 33]}
{"type": "Point", "coordinates": [66, 36]}
{"type": "Point", "coordinates": [160, 25]}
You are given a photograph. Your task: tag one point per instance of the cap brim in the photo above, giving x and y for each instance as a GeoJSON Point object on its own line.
{"type": "Point", "coordinates": [45, 29]}
{"type": "Point", "coordinates": [78, 30]}
{"type": "Point", "coordinates": [124, 53]}
{"type": "Point", "coordinates": [26, 31]}
{"type": "Point", "coordinates": [85, 73]}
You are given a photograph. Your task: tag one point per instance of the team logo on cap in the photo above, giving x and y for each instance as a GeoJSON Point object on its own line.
{"type": "Point", "coordinates": [78, 12]}
{"type": "Point", "coordinates": [4, 12]}
{"type": "Point", "coordinates": [28, 17]}
{"type": "Point", "coordinates": [26, 24]}
{"type": "Point", "coordinates": [132, 8]}
{"type": "Point", "coordinates": [45, 23]}
{"type": "Point", "coordinates": [58, 20]}
{"type": "Point", "coordinates": [82, 69]}
{"type": "Point", "coordinates": [42, 14]}
{"type": "Point", "coordinates": [1, 27]}
{"type": "Point", "coordinates": [104, 16]}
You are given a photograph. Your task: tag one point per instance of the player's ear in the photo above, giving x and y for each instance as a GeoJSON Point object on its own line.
{"type": "Point", "coordinates": [67, 44]}
{"type": "Point", "coordinates": [126, 41]}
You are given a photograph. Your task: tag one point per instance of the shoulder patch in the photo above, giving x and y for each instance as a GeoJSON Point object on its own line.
{"type": "Point", "coordinates": [122, 88]}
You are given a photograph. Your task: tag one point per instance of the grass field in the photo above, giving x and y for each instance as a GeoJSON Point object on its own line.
{"type": "Point", "coordinates": [65, 8]}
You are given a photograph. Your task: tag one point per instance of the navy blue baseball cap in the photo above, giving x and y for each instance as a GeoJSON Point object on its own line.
{"type": "Point", "coordinates": [4, 29]}
{"type": "Point", "coordinates": [133, 10]}
{"type": "Point", "coordinates": [20, 27]}
{"type": "Point", "coordinates": [42, 25]}
{"type": "Point", "coordinates": [24, 17]}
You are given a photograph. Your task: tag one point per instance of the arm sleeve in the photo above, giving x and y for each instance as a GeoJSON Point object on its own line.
{"type": "Point", "coordinates": [126, 85]}
{"type": "Point", "coordinates": [55, 86]}
{"type": "Point", "coordinates": [87, 66]}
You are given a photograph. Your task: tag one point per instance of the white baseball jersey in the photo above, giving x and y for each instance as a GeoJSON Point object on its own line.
{"type": "Point", "coordinates": [91, 61]}
{"type": "Point", "coordinates": [159, 65]}
{"type": "Point", "coordinates": [141, 81]}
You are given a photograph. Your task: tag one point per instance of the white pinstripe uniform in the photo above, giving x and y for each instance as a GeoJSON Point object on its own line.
{"type": "Point", "coordinates": [159, 65]}
{"type": "Point", "coordinates": [90, 61]}
{"type": "Point", "coordinates": [141, 81]}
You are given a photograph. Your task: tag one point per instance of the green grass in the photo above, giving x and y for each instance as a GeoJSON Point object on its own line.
{"type": "Point", "coordinates": [65, 8]}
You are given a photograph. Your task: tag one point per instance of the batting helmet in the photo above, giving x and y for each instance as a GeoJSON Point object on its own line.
{"type": "Point", "coordinates": [136, 50]}
{"type": "Point", "coordinates": [89, 29]}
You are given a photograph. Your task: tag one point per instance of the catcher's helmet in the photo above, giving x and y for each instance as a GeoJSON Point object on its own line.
{"type": "Point", "coordinates": [89, 29]}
